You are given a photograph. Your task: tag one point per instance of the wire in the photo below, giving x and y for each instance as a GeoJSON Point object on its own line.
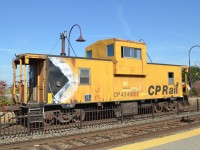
{"type": "Point", "coordinates": [54, 45]}
{"type": "Point", "coordinates": [141, 40]}
{"type": "Point", "coordinates": [71, 46]}
{"type": "Point", "coordinates": [149, 58]}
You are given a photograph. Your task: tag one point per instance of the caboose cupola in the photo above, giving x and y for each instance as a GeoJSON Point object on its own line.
{"type": "Point", "coordinates": [129, 57]}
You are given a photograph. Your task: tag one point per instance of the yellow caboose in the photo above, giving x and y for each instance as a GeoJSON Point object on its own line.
{"type": "Point", "coordinates": [114, 71]}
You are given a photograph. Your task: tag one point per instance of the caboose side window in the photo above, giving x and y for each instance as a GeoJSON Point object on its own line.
{"type": "Point", "coordinates": [170, 78]}
{"type": "Point", "coordinates": [84, 76]}
{"type": "Point", "coordinates": [89, 54]}
{"type": "Point", "coordinates": [128, 52]}
{"type": "Point", "coordinates": [110, 50]}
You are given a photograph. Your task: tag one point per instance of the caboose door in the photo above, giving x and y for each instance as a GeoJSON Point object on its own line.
{"type": "Point", "coordinates": [37, 80]}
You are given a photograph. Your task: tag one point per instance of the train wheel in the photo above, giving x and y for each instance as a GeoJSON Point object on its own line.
{"type": "Point", "coordinates": [79, 115]}
{"type": "Point", "coordinates": [158, 108]}
{"type": "Point", "coordinates": [48, 118]}
{"type": "Point", "coordinates": [171, 106]}
{"type": "Point", "coordinates": [67, 116]}
{"type": "Point", "coordinates": [48, 121]}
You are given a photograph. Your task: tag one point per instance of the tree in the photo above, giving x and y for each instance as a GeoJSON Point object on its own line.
{"type": "Point", "coordinates": [2, 88]}
{"type": "Point", "coordinates": [195, 73]}
{"type": "Point", "coordinates": [4, 100]}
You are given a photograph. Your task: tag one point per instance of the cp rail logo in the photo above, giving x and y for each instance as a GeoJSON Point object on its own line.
{"type": "Point", "coordinates": [155, 90]}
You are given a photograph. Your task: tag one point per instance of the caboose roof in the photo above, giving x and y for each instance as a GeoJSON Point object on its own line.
{"type": "Point", "coordinates": [117, 39]}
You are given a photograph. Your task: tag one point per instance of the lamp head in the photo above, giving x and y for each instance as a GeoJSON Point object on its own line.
{"type": "Point", "coordinates": [80, 39]}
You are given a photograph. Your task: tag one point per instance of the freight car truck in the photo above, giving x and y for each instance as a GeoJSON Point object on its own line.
{"type": "Point", "coordinates": [114, 72]}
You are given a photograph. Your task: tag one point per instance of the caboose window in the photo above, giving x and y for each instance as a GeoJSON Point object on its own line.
{"type": "Point", "coordinates": [84, 76]}
{"type": "Point", "coordinates": [110, 50]}
{"type": "Point", "coordinates": [128, 52]}
{"type": "Point", "coordinates": [89, 54]}
{"type": "Point", "coordinates": [170, 78]}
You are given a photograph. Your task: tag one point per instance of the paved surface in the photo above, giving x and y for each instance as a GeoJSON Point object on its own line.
{"type": "Point", "coordinates": [189, 140]}
{"type": "Point", "coordinates": [192, 143]}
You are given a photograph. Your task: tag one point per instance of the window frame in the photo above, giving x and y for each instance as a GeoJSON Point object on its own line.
{"type": "Point", "coordinates": [89, 52]}
{"type": "Point", "coordinates": [133, 52]}
{"type": "Point", "coordinates": [170, 79]}
{"type": "Point", "coordinates": [112, 49]}
{"type": "Point", "coordinates": [89, 77]}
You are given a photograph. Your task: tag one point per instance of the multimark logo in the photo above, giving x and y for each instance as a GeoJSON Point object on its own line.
{"type": "Point", "coordinates": [155, 90]}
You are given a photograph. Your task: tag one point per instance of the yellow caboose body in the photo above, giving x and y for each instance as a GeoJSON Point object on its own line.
{"type": "Point", "coordinates": [113, 71]}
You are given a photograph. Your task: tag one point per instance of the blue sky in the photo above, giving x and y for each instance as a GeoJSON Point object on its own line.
{"type": "Point", "coordinates": [169, 27]}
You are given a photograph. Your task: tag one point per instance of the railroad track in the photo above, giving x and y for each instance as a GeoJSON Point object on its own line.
{"type": "Point", "coordinates": [108, 137]}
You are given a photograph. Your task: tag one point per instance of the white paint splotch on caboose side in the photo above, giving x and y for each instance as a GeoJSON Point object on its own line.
{"type": "Point", "coordinates": [69, 89]}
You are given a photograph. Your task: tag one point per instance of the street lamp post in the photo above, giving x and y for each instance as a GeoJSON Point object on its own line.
{"type": "Point", "coordinates": [189, 64]}
{"type": "Point", "coordinates": [64, 35]}
{"type": "Point", "coordinates": [80, 39]}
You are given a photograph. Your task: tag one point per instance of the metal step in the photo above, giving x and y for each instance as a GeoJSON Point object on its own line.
{"type": "Point", "coordinates": [35, 118]}
{"type": "Point", "coordinates": [35, 109]}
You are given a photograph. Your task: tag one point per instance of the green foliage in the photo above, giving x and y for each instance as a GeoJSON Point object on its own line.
{"type": "Point", "coordinates": [4, 101]}
{"type": "Point", "coordinates": [2, 88]}
{"type": "Point", "coordinates": [195, 73]}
